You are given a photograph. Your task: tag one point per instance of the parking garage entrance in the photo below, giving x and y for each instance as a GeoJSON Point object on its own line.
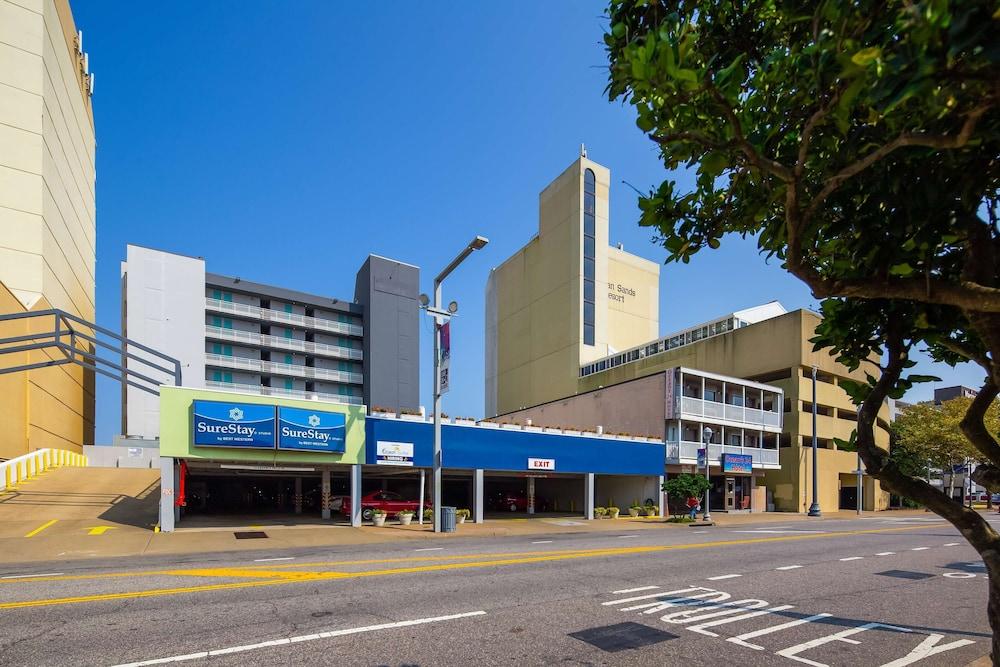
{"type": "Point", "coordinates": [527, 494]}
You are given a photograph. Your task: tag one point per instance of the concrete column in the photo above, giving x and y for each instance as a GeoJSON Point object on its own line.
{"type": "Point", "coordinates": [479, 499]}
{"type": "Point", "coordinates": [660, 494]}
{"type": "Point", "coordinates": [423, 484]}
{"type": "Point", "coordinates": [588, 496]}
{"type": "Point", "coordinates": [297, 499]}
{"type": "Point", "coordinates": [177, 485]}
{"type": "Point", "coordinates": [167, 491]}
{"type": "Point", "coordinates": [356, 495]}
{"type": "Point", "coordinates": [324, 496]}
{"type": "Point", "coordinates": [531, 495]}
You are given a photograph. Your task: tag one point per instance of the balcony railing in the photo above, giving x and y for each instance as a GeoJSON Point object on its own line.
{"type": "Point", "coordinates": [281, 317]}
{"type": "Point", "coordinates": [275, 368]}
{"type": "Point", "coordinates": [687, 452]}
{"type": "Point", "coordinates": [276, 391]}
{"type": "Point", "coordinates": [696, 407]}
{"type": "Point", "coordinates": [282, 343]}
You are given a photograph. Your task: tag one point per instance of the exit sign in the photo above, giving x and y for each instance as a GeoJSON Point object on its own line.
{"type": "Point", "coordinates": [541, 464]}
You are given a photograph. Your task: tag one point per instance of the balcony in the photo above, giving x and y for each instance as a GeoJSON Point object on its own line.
{"type": "Point", "coordinates": [687, 453]}
{"type": "Point", "coordinates": [281, 343]}
{"type": "Point", "coordinates": [281, 317]}
{"type": "Point", "coordinates": [698, 408]}
{"type": "Point", "coordinates": [291, 393]}
{"type": "Point", "coordinates": [275, 368]}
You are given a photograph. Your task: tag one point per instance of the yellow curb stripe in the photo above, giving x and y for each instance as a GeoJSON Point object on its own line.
{"type": "Point", "coordinates": [41, 528]}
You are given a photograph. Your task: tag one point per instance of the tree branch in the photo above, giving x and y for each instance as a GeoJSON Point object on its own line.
{"type": "Point", "coordinates": [973, 425]}
{"type": "Point", "coordinates": [765, 164]}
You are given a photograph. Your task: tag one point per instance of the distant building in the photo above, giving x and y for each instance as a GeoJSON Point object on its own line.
{"type": "Point", "coordinates": [948, 393]}
{"type": "Point", "coordinates": [233, 334]}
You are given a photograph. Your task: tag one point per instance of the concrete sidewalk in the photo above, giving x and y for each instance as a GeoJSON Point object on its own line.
{"type": "Point", "coordinates": [85, 539]}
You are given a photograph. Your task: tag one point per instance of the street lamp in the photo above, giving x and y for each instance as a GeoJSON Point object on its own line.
{"type": "Point", "coordinates": [441, 316]}
{"type": "Point", "coordinates": [814, 508]}
{"type": "Point", "coordinates": [707, 437]}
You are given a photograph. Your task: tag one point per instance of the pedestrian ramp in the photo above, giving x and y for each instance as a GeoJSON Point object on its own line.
{"type": "Point", "coordinates": [110, 496]}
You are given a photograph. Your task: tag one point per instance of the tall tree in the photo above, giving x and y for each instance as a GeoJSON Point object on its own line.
{"type": "Point", "coordinates": [858, 143]}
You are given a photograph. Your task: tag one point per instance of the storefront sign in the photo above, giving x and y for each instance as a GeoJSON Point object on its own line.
{"type": "Point", "coordinates": [541, 464]}
{"type": "Point", "coordinates": [223, 424]}
{"type": "Point", "coordinates": [393, 453]}
{"type": "Point", "coordinates": [311, 430]}
{"type": "Point", "coordinates": [672, 411]}
{"type": "Point", "coordinates": [737, 463]}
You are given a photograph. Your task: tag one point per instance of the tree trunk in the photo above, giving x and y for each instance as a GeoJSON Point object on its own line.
{"type": "Point", "coordinates": [992, 561]}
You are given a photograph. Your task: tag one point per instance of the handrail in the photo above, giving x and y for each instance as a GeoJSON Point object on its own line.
{"type": "Point", "coordinates": [32, 464]}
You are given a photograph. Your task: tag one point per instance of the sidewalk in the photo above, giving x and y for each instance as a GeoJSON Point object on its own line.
{"type": "Point", "coordinates": [68, 541]}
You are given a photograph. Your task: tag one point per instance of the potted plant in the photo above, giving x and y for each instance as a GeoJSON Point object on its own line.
{"type": "Point", "coordinates": [465, 421]}
{"type": "Point", "coordinates": [428, 514]}
{"type": "Point", "coordinates": [379, 411]}
{"type": "Point", "coordinates": [486, 423]}
{"type": "Point", "coordinates": [405, 517]}
{"type": "Point", "coordinates": [462, 515]}
{"type": "Point", "coordinates": [634, 509]}
{"type": "Point", "coordinates": [378, 517]}
{"type": "Point", "coordinates": [600, 512]}
{"type": "Point", "coordinates": [411, 415]}
{"type": "Point", "coordinates": [651, 510]}
{"type": "Point", "coordinates": [613, 512]}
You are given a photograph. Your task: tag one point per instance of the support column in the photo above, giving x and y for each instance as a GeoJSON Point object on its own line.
{"type": "Point", "coordinates": [478, 501]}
{"type": "Point", "coordinates": [356, 495]}
{"type": "Point", "coordinates": [167, 491]}
{"type": "Point", "coordinates": [531, 495]}
{"type": "Point", "coordinates": [588, 496]}
{"type": "Point", "coordinates": [423, 482]}
{"type": "Point", "coordinates": [297, 499]}
{"type": "Point", "coordinates": [660, 494]}
{"type": "Point", "coordinates": [324, 494]}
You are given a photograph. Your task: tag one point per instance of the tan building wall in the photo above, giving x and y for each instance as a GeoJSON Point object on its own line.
{"type": "Point", "coordinates": [47, 207]}
{"type": "Point", "coordinates": [534, 300]}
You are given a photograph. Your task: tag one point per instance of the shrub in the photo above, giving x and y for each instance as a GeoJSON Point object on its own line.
{"type": "Point", "coordinates": [378, 512]}
{"type": "Point", "coordinates": [465, 513]}
{"type": "Point", "coordinates": [600, 512]}
{"type": "Point", "coordinates": [428, 514]}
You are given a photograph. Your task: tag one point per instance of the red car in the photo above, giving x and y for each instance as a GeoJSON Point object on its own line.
{"type": "Point", "coordinates": [389, 502]}
{"type": "Point", "coordinates": [515, 501]}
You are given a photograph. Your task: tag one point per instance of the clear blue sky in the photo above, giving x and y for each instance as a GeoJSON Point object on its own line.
{"type": "Point", "coordinates": [285, 141]}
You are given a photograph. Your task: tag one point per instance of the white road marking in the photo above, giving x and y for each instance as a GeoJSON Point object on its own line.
{"type": "Point", "coordinates": [919, 548]}
{"type": "Point", "coordinates": [842, 636]}
{"type": "Point", "coordinates": [656, 595]}
{"type": "Point", "coordinates": [788, 567]}
{"type": "Point", "coordinates": [886, 553]}
{"type": "Point", "coordinates": [952, 544]}
{"type": "Point", "coordinates": [852, 558]}
{"type": "Point", "coordinates": [268, 560]}
{"type": "Point", "coordinates": [430, 549]}
{"type": "Point", "coordinates": [700, 628]}
{"type": "Point", "coordinates": [624, 536]}
{"type": "Point", "coordinates": [634, 590]}
{"type": "Point", "coordinates": [28, 576]}
{"type": "Point", "coordinates": [300, 638]}
{"type": "Point", "coordinates": [960, 575]}
{"type": "Point", "coordinates": [699, 532]}
{"type": "Point", "coordinates": [779, 532]}
{"type": "Point", "coordinates": [741, 639]}
{"type": "Point", "coordinates": [542, 542]}
{"type": "Point", "coordinates": [927, 648]}
{"type": "Point", "coordinates": [724, 576]}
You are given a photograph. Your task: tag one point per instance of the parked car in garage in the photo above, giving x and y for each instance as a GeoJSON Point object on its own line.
{"type": "Point", "coordinates": [514, 501]}
{"type": "Point", "coordinates": [388, 501]}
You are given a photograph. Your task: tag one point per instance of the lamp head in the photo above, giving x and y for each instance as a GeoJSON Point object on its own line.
{"type": "Point", "coordinates": [707, 433]}
{"type": "Point", "coordinates": [479, 243]}
{"type": "Point", "coordinates": [453, 307]}
{"type": "Point", "coordinates": [424, 300]}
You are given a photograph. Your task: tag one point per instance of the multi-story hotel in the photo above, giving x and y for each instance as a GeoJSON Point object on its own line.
{"type": "Point", "coordinates": [541, 354]}
{"type": "Point", "coordinates": [233, 334]}
{"type": "Point", "coordinates": [47, 220]}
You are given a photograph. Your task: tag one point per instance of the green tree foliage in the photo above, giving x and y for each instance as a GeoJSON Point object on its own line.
{"type": "Point", "coordinates": [859, 144]}
{"type": "Point", "coordinates": [686, 486]}
{"type": "Point", "coordinates": [932, 433]}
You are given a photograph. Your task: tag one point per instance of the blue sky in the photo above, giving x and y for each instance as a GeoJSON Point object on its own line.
{"type": "Point", "coordinates": [285, 141]}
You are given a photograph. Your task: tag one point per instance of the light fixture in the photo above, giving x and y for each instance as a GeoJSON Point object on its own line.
{"type": "Point", "coordinates": [424, 300]}
{"type": "Point", "coordinates": [453, 307]}
{"type": "Point", "coordinates": [479, 243]}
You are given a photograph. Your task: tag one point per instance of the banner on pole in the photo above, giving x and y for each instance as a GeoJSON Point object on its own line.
{"type": "Point", "coordinates": [445, 355]}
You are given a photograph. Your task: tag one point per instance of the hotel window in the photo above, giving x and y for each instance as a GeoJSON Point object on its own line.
{"type": "Point", "coordinates": [589, 255]}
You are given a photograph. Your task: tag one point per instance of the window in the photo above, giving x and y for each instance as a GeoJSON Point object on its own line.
{"type": "Point", "coordinates": [289, 383]}
{"type": "Point", "coordinates": [589, 254]}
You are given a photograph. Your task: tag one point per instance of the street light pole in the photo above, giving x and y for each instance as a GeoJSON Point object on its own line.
{"type": "Point", "coordinates": [706, 435]}
{"type": "Point", "coordinates": [440, 316]}
{"type": "Point", "coordinates": [814, 508]}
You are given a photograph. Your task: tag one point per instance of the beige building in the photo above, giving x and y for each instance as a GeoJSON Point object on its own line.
{"type": "Point", "coordinates": [540, 358]}
{"type": "Point", "coordinates": [566, 298]}
{"type": "Point", "coordinates": [47, 228]}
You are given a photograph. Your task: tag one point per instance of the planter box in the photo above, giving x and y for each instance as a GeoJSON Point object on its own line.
{"type": "Point", "coordinates": [377, 413]}
{"type": "Point", "coordinates": [465, 422]}
{"type": "Point", "coordinates": [488, 424]}
{"type": "Point", "coordinates": [405, 519]}
{"type": "Point", "coordinates": [512, 427]}
{"type": "Point", "coordinates": [570, 431]}
{"type": "Point", "coordinates": [532, 429]}
{"type": "Point", "coordinates": [552, 429]}
{"type": "Point", "coordinates": [378, 520]}
{"type": "Point", "coordinates": [412, 418]}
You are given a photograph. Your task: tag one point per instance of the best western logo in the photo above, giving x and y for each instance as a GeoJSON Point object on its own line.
{"type": "Point", "coordinates": [226, 429]}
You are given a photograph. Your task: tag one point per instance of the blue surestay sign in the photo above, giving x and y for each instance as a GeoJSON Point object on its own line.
{"type": "Point", "coordinates": [742, 463]}
{"type": "Point", "coordinates": [223, 424]}
{"type": "Point", "coordinates": [311, 430]}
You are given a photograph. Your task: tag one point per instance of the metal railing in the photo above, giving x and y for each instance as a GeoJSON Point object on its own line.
{"type": "Point", "coordinates": [276, 368]}
{"type": "Point", "coordinates": [283, 343]}
{"type": "Point", "coordinates": [687, 452]}
{"type": "Point", "coordinates": [696, 407]}
{"type": "Point", "coordinates": [291, 393]}
{"type": "Point", "coordinates": [281, 317]}
{"type": "Point", "coordinates": [69, 336]}
{"type": "Point", "coordinates": [34, 463]}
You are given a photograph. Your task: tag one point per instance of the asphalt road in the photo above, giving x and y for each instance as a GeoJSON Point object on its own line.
{"type": "Point", "coordinates": [876, 591]}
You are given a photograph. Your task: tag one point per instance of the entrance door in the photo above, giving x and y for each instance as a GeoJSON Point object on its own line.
{"type": "Point", "coordinates": [730, 494]}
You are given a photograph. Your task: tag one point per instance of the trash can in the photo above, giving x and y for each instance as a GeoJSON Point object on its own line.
{"type": "Point", "coordinates": [447, 519]}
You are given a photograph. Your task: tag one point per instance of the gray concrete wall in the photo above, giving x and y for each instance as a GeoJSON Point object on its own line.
{"type": "Point", "coordinates": [388, 291]}
{"type": "Point", "coordinates": [104, 456]}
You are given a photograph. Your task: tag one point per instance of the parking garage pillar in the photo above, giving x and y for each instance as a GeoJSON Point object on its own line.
{"type": "Point", "coordinates": [588, 496]}
{"type": "Point", "coordinates": [356, 495]}
{"type": "Point", "coordinates": [298, 495]}
{"type": "Point", "coordinates": [167, 490]}
{"type": "Point", "coordinates": [325, 493]}
{"type": "Point", "coordinates": [659, 490]}
{"type": "Point", "coordinates": [531, 495]}
{"type": "Point", "coordinates": [478, 494]}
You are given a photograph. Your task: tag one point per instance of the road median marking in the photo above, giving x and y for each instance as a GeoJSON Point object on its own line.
{"type": "Point", "coordinates": [41, 528]}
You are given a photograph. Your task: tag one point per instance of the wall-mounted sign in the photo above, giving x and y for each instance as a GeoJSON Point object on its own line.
{"type": "Point", "coordinates": [311, 430]}
{"type": "Point", "coordinates": [738, 463]}
{"type": "Point", "coordinates": [389, 453]}
{"type": "Point", "coordinates": [224, 424]}
{"type": "Point", "coordinates": [541, 464]}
